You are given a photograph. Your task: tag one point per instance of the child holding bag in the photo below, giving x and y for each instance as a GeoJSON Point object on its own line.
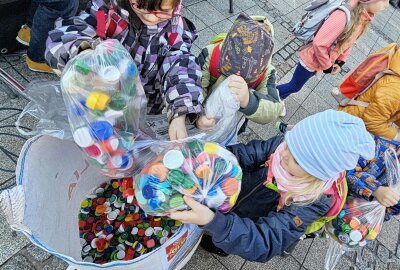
{"type": "Point", "coordinates": [159, 40]}
{"type": "Point", "coordinates": [301, 176]}
{"type": "Point", "coordinates": [332, 43]}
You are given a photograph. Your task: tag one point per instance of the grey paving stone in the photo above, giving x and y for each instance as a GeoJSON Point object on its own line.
{"type": "Point", "coordinates": [18, 262]}
{"type": "Point", "coordinates": [204, 38]}
{"type": "Point", "coordinates": [344, 264]}
{"type": "Point", "coordinates": [3, 62]}
{"type": "Point", "coordinates": [37, 253]}
{"type": "Point", "coordinates": [302, 95]}
{"type": "Point", "coordinates": [274, 264]}
{"type": "Point", "coordinates": [203, 260]}
{"type": "Point", "coordinates": [299, 115]}
{"type": "Point", "coordinates": [314, 104]}
{"type": "Point", "coordinates": [54, 264]}
{"type": "Point", "coordinates": [231, 262]}
{"type": "Point", "coordinates": [10, 241]}
{"type": "Point", "coordinates": [323, 90]}
{"type": "Point", "coordinates": [383, 253]}
{"type": "Point", "coordinates": [263, 131]}
{"type": "Point", "coordinates": [223, 7]}
{"type": "Point", "coordinates": [197, 22]}
{"type": "Point", "coordinates": [386, 236]}
{"type": "Point", "coordinates": [315, 257]}
{"type": "Point", "coordinates": [191, 2]}
{"type": "Point", "coordinates": [243, 5]}
{"type": "Point", "coordinates": [248, 136]}
{"type": "Point", "coordinates": [294, 16]}
{"type": "Point", "coordinates": [222, 26]}
{"type": "Point", "coordinates": [31, 75]}
{"type": "Point", "coordinates": [257, 10]}
{"type": "Point", "coordinates": [282, 34]}
{"type": "Point", "coordinates": [301, 250]}
{"type": "Point", "coordinates": [283, 53]}
{"type": "Point", "coordinates": [391, 31]}
{"type": "Point", "coordinates": [209, 14]}
{"type": "Point", "coordinates": [380, 43]}
{"type": "Point", "coordinates": [13, 73]}
{"type": "Point", "coordinates": [292, 105]}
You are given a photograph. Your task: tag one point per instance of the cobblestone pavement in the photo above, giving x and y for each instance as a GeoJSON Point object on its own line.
{"type": "Point", "coordinates": [212, 17]}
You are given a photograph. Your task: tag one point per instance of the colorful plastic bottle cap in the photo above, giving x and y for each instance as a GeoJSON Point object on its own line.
{"type": "Point", "coordinates": [230, 186]}
{"type": "Point", "coordinates": [154, 204]}
{"type": "Point", "coordinates": [134, 230]}
{"type": "Point", "coordinates": [82, 67]}
{"type": "Point", "coordinates": [173, 159]}
{"type": "Point", "coordinates": [159, 170]}
{"type": "Point", "coordinates": [121, 254]}
{"type": "Point", "coordinates": [112, 215]}
{"type": "Point", "coordinates": [111, 115]}
{"type": "Point", "coordinates": [371, 235]}
{"type": "Point", "coordinates": [110, 145]}
{"type": "Point", "coordinates": [82, 137]}
{"type": "Point", "coordinates": [203, 171]}
{"type": "Point", "coordinates": [139, 197]}
{"type": "Point", "coordinates": [163, 240]}
{"type": "Point", "coordinates": [211, 148]}
{"type": "Point", "coordinates": [233, 198]}
{"type": "Point", "coordinates": [344, 238]}
{"type": "Point", "coordinates": [225, 207]}
{"type": "Point", "coordinates": [97, 101]}
{"type": "Point", "coordinates": [149, 231]}
{"type": "Point", "coordinates": [175, 177]}
{"type": "Point", "coordinates": [151, 243]}
{"type": "Point", "coordinates": [117, 103]}
{"type": "Point", "coordinates": [165, 233]}
{"type": "Point", "coordinates": [101, 130]}
{"type": "Point", "coordinates": [110, 74]}
{"type": "Point", "coordinates": [355, 235]}
{"type": "Point", "coordinates": [176, 201]}
{"type": "Point", "coordinates": [363, 243]}
{"type": "Point", "coordinates": [355, 223]}
{"type": "Point", "coordinates": [342, 214]}
{"type": "Point", "coordinates": [94, 151]}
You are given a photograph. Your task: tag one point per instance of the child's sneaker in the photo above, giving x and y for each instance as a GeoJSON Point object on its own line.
{"type": "Point", "coordinates": [38, 67]}
{"type": "Point", "coordinates": [281, 127]}
{"type": "Point", "coordinates": [24, 35]}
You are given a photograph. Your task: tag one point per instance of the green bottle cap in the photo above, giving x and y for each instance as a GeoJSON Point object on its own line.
{"type": "Point", "coordinates": [82, 67]}
{"type": "Point", "coordinates": [117, 102]}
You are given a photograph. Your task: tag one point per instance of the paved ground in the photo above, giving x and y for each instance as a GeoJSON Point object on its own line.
{"type": "Point", "coordinates": [212, 17]}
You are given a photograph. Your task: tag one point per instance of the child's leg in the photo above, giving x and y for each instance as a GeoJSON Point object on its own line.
{"type": "Point", "coordinates": [300, 77]}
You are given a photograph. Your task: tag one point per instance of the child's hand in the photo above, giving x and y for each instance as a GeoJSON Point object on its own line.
{"type": "Point", "coordinates": [177, 128]}
{"type": "Point", "coordinates": [239, 88]}
{"type": "Point", "coordinates": [386, 196]}
{"type": "Point", "coordinates": [205, 123]}
{"type": "Point", "coordinates": [335, 69]}
{"type": "Point", "coordinates": [200, 214]}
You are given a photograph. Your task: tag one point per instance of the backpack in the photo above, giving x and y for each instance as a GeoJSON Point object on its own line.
{"type": "Point", "coordinates": [339, 192]}
{"type": "Point", "coordinates": [360, 79]}
{"type": "Point", "coordinates": [317, 13]}
{"type": "Point", "coordinates": [215, 58]}
{"type": "Point", "coordinates": [11, 23]}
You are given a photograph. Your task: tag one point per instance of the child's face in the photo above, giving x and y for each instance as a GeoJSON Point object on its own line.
{"type": "Point", "coordinates": [377, 7]}
{"type": "Point", "coordinates": [290, 165]}
{"type": "Point", "coordinates": [154, 17]}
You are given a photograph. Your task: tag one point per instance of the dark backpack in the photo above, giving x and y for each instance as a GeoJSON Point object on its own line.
{"type": "Point", "coordinates": [12, 16]}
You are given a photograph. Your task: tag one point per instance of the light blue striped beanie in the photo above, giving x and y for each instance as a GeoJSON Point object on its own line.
{"type": "Point", "coordinates": [330, 142]}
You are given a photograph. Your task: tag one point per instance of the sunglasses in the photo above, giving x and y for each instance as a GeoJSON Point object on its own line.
{"type": "Point", "coordinates": [158, 14]}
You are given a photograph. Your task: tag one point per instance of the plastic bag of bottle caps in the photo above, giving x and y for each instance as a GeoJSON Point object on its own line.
{"type": "Point", "coordinates": [360, 221]}
{"type": "Point", "coordinates": [113, 227]}
{"type": "Point", "coordinates": [204, 171]}
{"type": "Point", "coordinates": [105, 102]}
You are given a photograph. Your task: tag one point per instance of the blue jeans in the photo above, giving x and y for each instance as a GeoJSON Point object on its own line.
{"type": "Point", "coordinates": [300, 77]}
{"type": "Point", "coordinates": [41, 17]}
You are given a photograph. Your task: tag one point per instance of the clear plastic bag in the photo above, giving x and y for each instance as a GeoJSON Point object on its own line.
{"type": "Point", "coordinates": [204, 171]}
{"type": "Point", "coordinates": [105, 103]}
{"type": "Point", "coordinates": [360, 221]}
{"type": "Point", "coordinates": [47, 106]}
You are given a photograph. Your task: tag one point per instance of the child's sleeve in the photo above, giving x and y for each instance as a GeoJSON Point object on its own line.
{"type": "Point", "coordinates": [204, 61]}
{"type": "Point", "coordinates": [269, 236]}
{"type": "Point", "coordinates": [182, 86]}
{"type": "Point", "coordinates": [69, 38]}
{"type": "Point", "coordinates": [254, 154]}
{"type": "Point", "coordinates": [362, 184]}
{"type": "Point", "coordinates": [264, 103]}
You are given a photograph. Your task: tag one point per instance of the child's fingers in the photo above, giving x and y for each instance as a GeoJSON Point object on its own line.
{"type": "Point", "coordinates": [192, 203]}
{"type": "Point", "coordinates": [183, 216]}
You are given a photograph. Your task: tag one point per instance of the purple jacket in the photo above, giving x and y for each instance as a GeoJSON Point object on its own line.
{"type": "Point", "coordinates": [170, 75]}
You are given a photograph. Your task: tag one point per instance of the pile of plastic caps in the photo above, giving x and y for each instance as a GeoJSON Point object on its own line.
{"type": "Point", "coordinates": [105, 101]}
{"type": "Point", "coordinates": [204, 171]}
{"type": "Point", "coordinates": [112, 226]}
{"type": "Point", "coordinates": [358, 223]}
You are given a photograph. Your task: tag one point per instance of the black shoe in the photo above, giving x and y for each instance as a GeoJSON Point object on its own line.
{"type": "Point", "coordinates": [281, 127]}
{"type": "Point", "coordinates": [207, 244]}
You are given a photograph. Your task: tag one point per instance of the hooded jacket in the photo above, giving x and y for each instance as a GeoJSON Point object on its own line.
{"type": "Point", "coordinates": [170, 75]}
{"type": "Point", "coordinates": [384, 103]}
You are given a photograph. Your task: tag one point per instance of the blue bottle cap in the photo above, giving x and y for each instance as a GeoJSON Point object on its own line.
{"type": "Point", "coordinates": [148, 192]}
{"type": "Point", "coordinates": [101, 130]}
{"type": "Point", "coordinates": [154, 204]}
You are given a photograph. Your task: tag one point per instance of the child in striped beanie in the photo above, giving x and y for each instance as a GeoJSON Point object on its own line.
{"type": "Point", "coordinates": [288, 185]}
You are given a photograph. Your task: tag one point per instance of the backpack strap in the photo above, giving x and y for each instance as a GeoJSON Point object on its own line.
{"type": "Point", "coordinates": [214, 62]}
